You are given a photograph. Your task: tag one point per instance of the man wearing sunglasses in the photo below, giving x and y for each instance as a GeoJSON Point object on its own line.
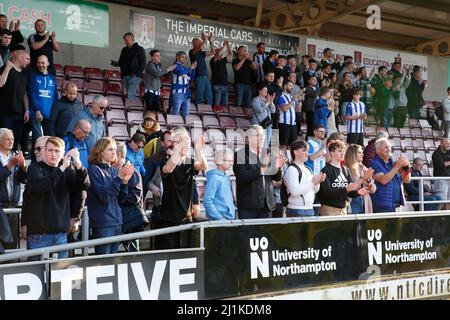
{"type": "Point", "coordinates": [94, 115]}
{"type": "Point", "coordinates": [77, 139]}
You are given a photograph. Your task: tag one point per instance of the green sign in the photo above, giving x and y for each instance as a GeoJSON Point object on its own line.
{"type": "Point", "coordinates": [77, 22]}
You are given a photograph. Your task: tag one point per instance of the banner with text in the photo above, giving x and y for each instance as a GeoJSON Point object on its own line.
{"type": "Point", "coordinates": [23, 282]}
{"type": "Point", "coordinates": [143, 276]}
{"type": "Point", "coordinates": [276, 257]}
{"type": "Point", "coordinates": [77, 22]}
{"type": "Point", "coordinates": [367, 56]}
{"type": "Point", "coordinates": [170, 33]}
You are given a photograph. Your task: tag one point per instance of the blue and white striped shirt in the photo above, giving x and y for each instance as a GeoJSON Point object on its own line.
{"type": "Point", "coordinates": [181, 77]}
{"type": "Point", "coordinates": [355, 108]}
{"type": "Point", "coordinates": [287, 117]}
{"type": "Point", "coordinates": [259, 59]}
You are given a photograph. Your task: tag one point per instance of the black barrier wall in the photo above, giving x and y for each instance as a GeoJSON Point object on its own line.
{"type": "Point", "coordinates": [246, 260]}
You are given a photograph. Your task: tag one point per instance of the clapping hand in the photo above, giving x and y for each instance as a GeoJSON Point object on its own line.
{"type": "Point", "coordinates": [200, 144]}
{"type": "Point", "coordinates": [368, 174]}
{"type": "Point", "coordinates": [319, 178]}
{"type": "Point", "coordinates": [126, 172]}
{"type": "Point", "coordinates": [74, 154]}
{"type": "Point", "coordinates": [363, 191]}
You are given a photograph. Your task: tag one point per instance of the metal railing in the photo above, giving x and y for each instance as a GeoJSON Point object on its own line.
{"type": "Point", "coordinates": [85, 243]}
{"type": "Point", "coordinates": [421, 200]}
{"type": "Point", "coordinates": [201, 226]}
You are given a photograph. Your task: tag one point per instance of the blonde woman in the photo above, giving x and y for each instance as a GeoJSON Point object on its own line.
{"type": "Point", "coordinates": [361, 175]}
{"type": "Point", "coordinates": [107, 182]}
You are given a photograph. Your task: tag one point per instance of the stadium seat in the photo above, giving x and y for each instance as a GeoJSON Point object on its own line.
{"type": "Point", "coordinates": [210, 122]}
{"type": "Point", "coordinates": [113, 89]}
{"type": "Point", "coordinates": [409, 154]}
{"type": "Point", "coordinates": [115, 102]}
{"type": "Point", "coordinates": [406, 132]}
{"type": "Point", "coordinates": [161, 119]}
{"type": "Point", "coordinates": [71, 72]}
{"type": "Point", "coordinates": [421, 154]}
{"type": "Point", "coordinates": [134, 128]}
{"type": "Point", "coordinates": [238, 112]}
{"type": "Point", "coordinates": [192, 109]}
{"type": "Point", "coordinates": [414, 123]}
{"type": "Point", "coordinates": [174, 120]}
{"type": "Point", "coordinates": [195, 132]}
{"type": "Point", "coordinates": [407, 144]}
{"type": "Point", "coordinates": [416, 133]}
{"type": "Point", "coordinates": [216, 136]}
{"type": "Point", "coordinates": [59, 82]}
{"type": "Point", "coordinates": [135, 117]}
{"type": "Point", "coordinates": [118, 132]}
{"type": "Point", "coordinates": [165, 92]}
{"type": "Point", "coordinates": [227, 122]}
{"type": "Point", "coordinates": [419, 145]}
{"type": "Point", "coordinates": [243, 123]}
{"type": "Point", "coordinates": [134, 104]}
{"type": "Point", "coordinates": [429, 145]}
{"type": "Point", "coordinates": [87, 99]}
{"type": "Point", "coordinates": [193, 121]}
{"type": "Point", "coordinates": [438, 134]}
{"type": "Point", "coordinates": [370, 131]}
{"type": "Point", "coordinates": [342, 128]}
{"type": "Point", "coordinates": [235, 138]}
{"type": "Point", "coordinates": [205, 109]}
{"type": "Point", "coordinates": [112, 76]}
{"type": "Point", "coordinates": [80, 96]}
{"type": "Point", "coordinates": [394, 132]}
{"type": "Point", "coordinates": [115, 116]}
{"type": "Point", "coordinates": [93, 74]}
{"type": "Point", "coordinates": [59, 70]}
{"type": "Point", "coordinates": [93, 86]}
{"type": "Point", "coordinates": [396, 144]}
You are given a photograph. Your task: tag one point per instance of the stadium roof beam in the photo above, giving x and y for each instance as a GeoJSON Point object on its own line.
{"type": "Point", "coordinates": [428, 4]}
{"type": "Point", "coordinates": [307, 14]}
{"type": "Point", "coordinates": [208, 9]}
{"type": "Point", "coordinates": [388, 17]}
{"type": "Point", "coordinates": [368, 37]}
{"type": "Point", "coordinates": [440, 47]}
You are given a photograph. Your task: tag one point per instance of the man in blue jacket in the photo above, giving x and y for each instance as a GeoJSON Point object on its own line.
{"type": "Point", "coordinates": [218, 199]}
{"type": "Point", "coordinates": [94, 115]}
{"type": "Point", "coordinates": [76, 139]}
{"type": "Point", "coordinates": [388, 176]}
{"type": "Point", "coordinates": [42, 93]}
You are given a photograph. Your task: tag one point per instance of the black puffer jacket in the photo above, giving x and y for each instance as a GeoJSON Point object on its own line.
{"type": "Point", "coordinates": [132, 60]}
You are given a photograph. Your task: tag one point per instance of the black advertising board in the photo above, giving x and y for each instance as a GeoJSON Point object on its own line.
{"type": "Point", "coordinates": [252, 259]}
{"type": "Point", "coordinates": [23, 282]}
{"type": "Point", "coordinates": [144, 276]}
{"type": "Point", "coordinates": [170, 33]}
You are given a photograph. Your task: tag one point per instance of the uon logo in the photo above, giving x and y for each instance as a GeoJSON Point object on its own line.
{"type": "Point", "coordinates": [257, 262]}
{"type": "Point", "coordinates": [375, 251]}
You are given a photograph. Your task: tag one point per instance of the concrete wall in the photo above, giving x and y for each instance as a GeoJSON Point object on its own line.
{"type": "Point", "coordinates": [437, 79]}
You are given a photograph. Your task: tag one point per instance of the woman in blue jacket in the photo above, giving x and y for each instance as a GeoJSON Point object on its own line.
{"type": "Point", "coordinates": [107, 182]}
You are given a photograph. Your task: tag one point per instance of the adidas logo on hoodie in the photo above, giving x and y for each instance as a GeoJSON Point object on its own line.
{"type": "Point", "coordinates": [340, 181]}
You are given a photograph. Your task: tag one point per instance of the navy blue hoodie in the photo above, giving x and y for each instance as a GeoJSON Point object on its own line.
{"type": "Point", "coordinates": [102, 199]}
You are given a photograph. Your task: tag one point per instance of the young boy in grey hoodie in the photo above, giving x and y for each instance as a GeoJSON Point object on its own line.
{"type": "Point", "coordinates": [218, 199]}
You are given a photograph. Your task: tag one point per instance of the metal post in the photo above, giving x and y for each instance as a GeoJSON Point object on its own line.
{"type": "Point", "coordinates": [85, 230]}
{"type": "Point", "coordinates": [422, 206]}
{"type": "Point", "coordinates": [202, 236]}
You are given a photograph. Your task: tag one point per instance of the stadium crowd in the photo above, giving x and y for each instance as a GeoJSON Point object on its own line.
{"type": "Point", "coordinates": [281, 171]}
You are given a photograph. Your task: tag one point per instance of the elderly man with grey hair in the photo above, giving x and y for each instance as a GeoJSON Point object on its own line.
{"type": "Point", "coordinates": [94, 115]}
{"type": "Point", "coordinates": [12, 170]}
{"type": "Point", "coordinates": [388, 176]}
